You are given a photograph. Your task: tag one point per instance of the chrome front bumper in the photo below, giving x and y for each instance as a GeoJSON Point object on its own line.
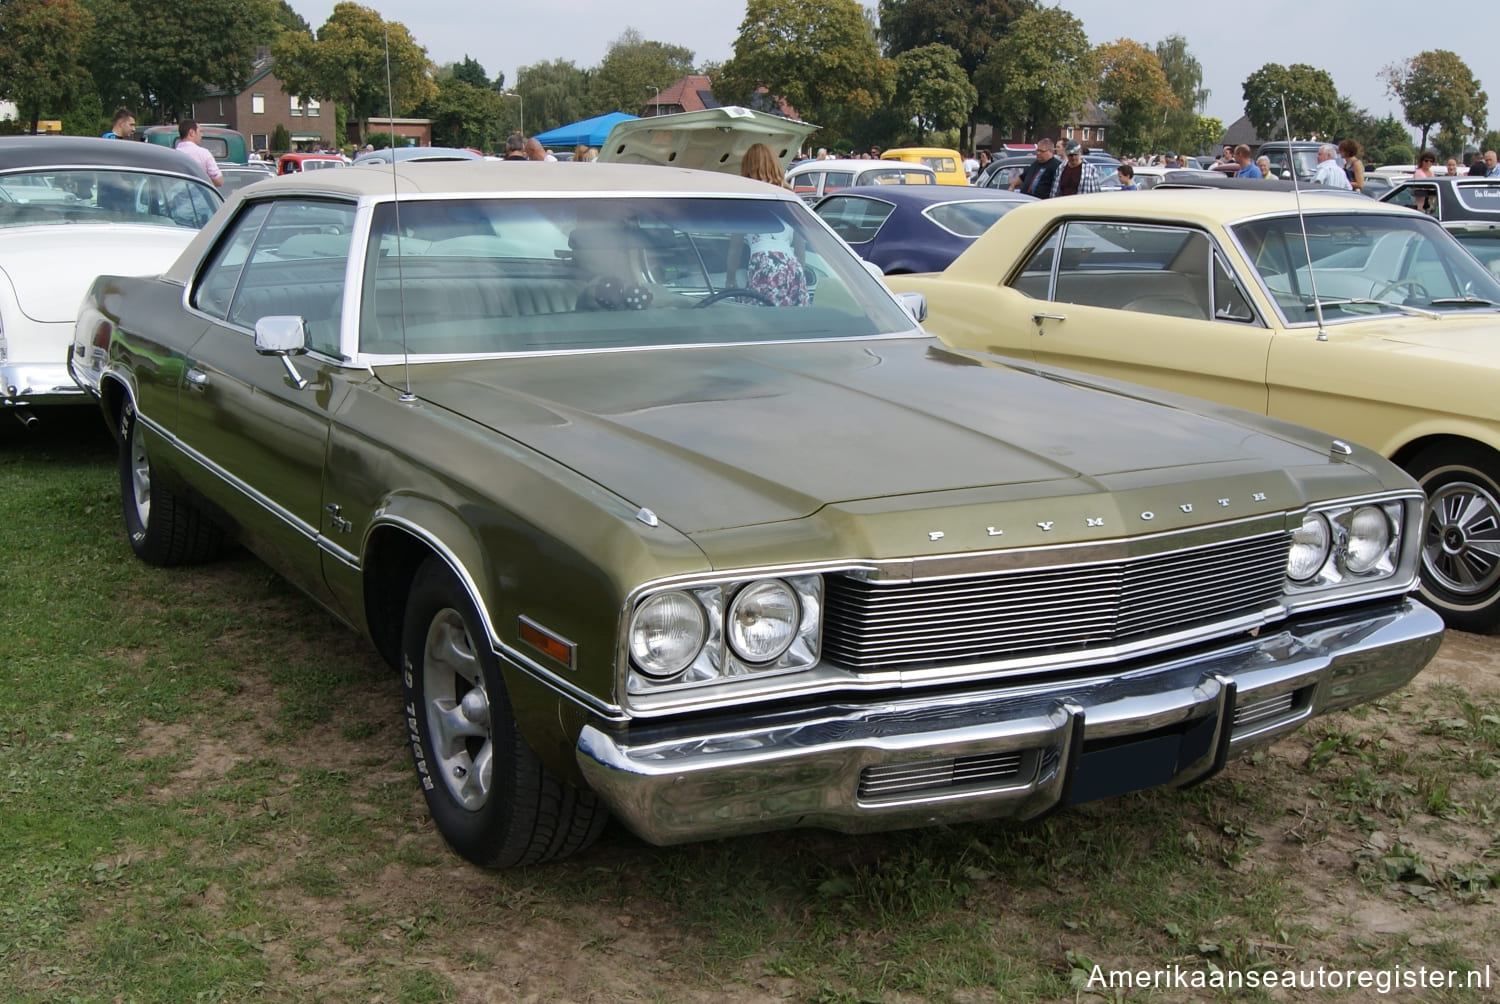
{"type": "Point", "coordinates": [38, 383]}
{"type": "Point", "coordinates": [1011, 751]}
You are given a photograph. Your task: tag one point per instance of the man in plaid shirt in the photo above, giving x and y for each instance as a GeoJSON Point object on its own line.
{"type": "Point", "coordinates": [1077, 176]}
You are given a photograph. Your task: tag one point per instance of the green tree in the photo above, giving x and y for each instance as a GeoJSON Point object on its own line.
{"type": "Point", "coordinates": [933, 90]}
{"type": "Point", "coordinates": [555, 93]}
{"type": "Point", "coordinates": [471, 72]}
{"type": "Point", "coordinates": [1437, 90]}
{"type": "Point", "coordinates": [277, 17]}
{"type": "Point", "coordinates": [633, 70]}
{"type": "Point", "coordinates": [1185, 77]}
{"type": "Point", "coordinates": [281, 140]}
{"type": "Point", "coordinates": [971, 29]}
{"type": "Point", "coordinates": [1040, 72]}
{"type": "Point", "coordinates": [165, 55]}
{"type": "Point", "coordinates": [1311, 101]}
{"type": "Point", "coordinates": [1388, 142]}
{"type": "Point", "coordinates": [817, 55]}
{"type": "Point", "coordinates": [1135, 92]}
{"type": "Point", "coordinates": [347, 63]}
{"type": "Point", "coordinates": [463, 114]}
{"type": "Point", "coordinates": [1207, 131]}
{"type": "Point", "coordinates": [41, 48]}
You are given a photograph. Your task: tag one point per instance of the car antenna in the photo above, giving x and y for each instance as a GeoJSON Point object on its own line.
{"type": "Point", "coordinates": [407, 397]}
{"type": "Point", "coordinates": [1312, 280]}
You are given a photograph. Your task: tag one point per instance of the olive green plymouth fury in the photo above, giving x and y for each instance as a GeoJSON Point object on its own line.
{"type": "Point", "coordinates": [663, 506]}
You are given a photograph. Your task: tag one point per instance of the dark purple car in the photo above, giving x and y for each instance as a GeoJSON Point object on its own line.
{"type": "Point", "coordinates": [914, 228]}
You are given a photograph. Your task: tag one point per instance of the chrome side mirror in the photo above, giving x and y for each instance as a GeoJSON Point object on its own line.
{"type": "Point", "coordinates": [915, 304]}
{"type": "Point", "coordinates": [283, 335]}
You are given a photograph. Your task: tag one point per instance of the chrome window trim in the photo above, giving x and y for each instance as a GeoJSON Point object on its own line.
{"type": "Point", "coordinates": [1375, 209]}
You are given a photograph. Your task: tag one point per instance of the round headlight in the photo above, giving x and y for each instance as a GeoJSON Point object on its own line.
{"type": "Point", "coordinates": [1309, 551]}
{"type": "Point", "coordinates": [666, 634]}
{"type": "Point", "coordinates": [762, 620]}
{"type": "Point", "coordinates": [1369, 538]}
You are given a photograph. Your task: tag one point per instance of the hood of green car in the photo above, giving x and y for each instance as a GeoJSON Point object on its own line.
{"type": "Point", "coordinates": [718, 437]}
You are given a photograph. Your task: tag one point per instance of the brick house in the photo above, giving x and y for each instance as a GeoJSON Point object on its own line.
{"type": "Point", "coordinates": [1089, 127]}
{"type": "Point", "coordinates": [694, 93]}
{"type": "Point", "coordinates": [261, 105]}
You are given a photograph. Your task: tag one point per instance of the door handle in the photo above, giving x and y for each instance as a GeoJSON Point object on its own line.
{"type": "Point", "coordinates": [196, 378]}
{"type": "Point", "coordinates": [1038, 317]}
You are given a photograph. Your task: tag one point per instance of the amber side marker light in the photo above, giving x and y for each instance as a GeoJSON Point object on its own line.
{"type": "Point", "coordinates": [546, 642]}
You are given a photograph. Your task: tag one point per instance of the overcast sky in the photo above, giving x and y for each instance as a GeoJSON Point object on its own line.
{"type": "Point", "coordinates": [1351, 40]}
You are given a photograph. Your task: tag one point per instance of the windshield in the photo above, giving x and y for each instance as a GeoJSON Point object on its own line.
{"type": "Point", "coordinates": [53, 196]}
{"type": "Point", "coordinates": [1363, 263]}
{"type": "Point", "coordinates": [476, 276]}
{"type": "Point", "coordinates": [1282, 159]}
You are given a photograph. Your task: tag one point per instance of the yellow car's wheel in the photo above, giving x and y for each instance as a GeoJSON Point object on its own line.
{"type": "Point", "coordinates": [1461, 538]}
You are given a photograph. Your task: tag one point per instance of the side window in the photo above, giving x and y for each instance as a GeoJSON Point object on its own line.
{"type": "Point", "coordinates": [297, 267]}
{"type": "Point", "coordinates": [1035, 279]}
{"type": "Point", "coordinates": [1230, 302]}
{"type": "Point", "coordinates": [807, 183]}
{"type": "Point", "coordinates": [854, 219]}
{"type": "Point", "coordinates": [834, 180]}
{"type": "Point", "coordinates": [1149, 270]}
{"type": "Point", "coordinates": [217, 282]}
{"type": "Point", "coordinates": [1402, 196]}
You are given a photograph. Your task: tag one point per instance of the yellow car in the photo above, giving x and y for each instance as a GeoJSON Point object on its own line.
{"type": "Point", "coordinates": [948, 165]}
{"type": "Point", "coordinates": [1390, 338]}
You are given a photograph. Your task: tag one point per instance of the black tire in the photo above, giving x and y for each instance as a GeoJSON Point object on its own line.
{"type": "Point", "coordinates": [491, 798]}
{"type": "Point", "coordinates": [163, 528]}
{"type": "Point", "coordinates": [1461, 537]}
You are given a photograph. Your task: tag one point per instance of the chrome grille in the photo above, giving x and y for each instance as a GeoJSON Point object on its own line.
{"type": "Point", "coordinates": [1034, 612]}
{"type": "Point", "coordinates": [956, 774]}
{"type": "Point", "coordinates": [1248, 716]}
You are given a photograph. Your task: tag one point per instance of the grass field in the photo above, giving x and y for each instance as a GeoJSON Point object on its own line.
{"type": "Point", "coordinates": [205, 795]}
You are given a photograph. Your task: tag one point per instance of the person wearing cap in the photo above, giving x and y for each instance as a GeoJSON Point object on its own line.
{"type": "Point", "coordinates": [1077, 176]}
{"type": "Point", "coordinates": [1170, 160]}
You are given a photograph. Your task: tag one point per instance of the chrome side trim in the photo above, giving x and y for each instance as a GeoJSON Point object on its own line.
{"type": "Point", "coordinates": [724, 776]}
{"type": "Point", "coordinates": [294, 523]}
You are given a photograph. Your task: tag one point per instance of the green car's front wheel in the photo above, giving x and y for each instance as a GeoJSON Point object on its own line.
{"type": "Point", "coordinates": [491, 798]}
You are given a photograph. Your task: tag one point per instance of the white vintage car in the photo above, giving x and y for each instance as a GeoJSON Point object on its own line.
{"type": "Point", "coordinates": [72, 208]}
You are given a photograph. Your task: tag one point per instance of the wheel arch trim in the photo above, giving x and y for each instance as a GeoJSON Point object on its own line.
{"type": "Point", "coordinates": [443, 533]}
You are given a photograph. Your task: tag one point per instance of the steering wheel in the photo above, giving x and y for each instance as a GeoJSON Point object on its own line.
{"type": "Point", "coordinates": [729, 291]}
{"type": "Point", "coordinates": [1411, 284]}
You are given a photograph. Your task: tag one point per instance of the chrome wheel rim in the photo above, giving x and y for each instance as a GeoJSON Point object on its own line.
{"type": "Point", "coordinates": [458, 710]}
{"type": "Point", "coordinates": [140, 475]}
{"type": "Point", "coordinates": [1461, 545]}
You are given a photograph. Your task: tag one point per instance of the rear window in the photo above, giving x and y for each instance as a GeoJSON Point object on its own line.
{"type": "Point", "coordinates": [969, 219]}
{"type": "Point", "coordinates": [1480, 198]}
{"type": "Point", "coordinates": [896, 176]}
{"type": "Point", "coordinates": [49, 196]}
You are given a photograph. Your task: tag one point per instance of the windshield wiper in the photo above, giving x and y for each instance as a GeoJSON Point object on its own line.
{"type": "Point", "coordinates": [1449, 301]}
{"type": "Point", "coordinates": [1404, 308]}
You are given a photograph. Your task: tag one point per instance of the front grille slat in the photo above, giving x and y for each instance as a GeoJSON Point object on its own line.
{"type": "Point", "coordinates": [968, 772]}
{"type": "Point", "coordinates": [1032, 612]}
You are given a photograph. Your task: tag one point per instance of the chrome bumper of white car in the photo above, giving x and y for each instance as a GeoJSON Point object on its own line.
{"type": "Point", "coordinates": [1014, 751]}
{"type": "Point", "coordinates": [38, 383]}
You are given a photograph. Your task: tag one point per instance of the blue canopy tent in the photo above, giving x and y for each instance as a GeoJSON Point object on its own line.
{"type": "Point", "coordinates": [589, 132]}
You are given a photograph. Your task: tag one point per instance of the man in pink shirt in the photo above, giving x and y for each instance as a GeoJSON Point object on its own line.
{"type": "Point", "coordinates": [188, 135]}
